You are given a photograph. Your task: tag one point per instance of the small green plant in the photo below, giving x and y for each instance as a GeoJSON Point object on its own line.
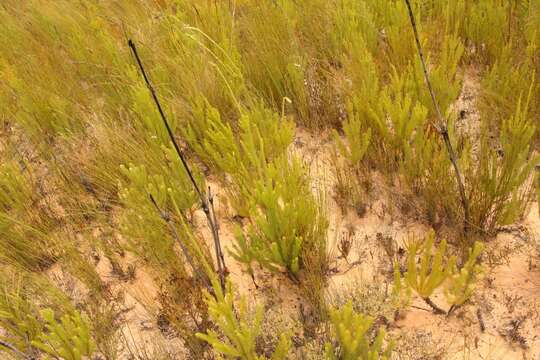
{"type": "Point", "coordinates": [68, 339]}
{"type": "Point", "coordinates": [431, 272]}
{"type": "Point", "coordinates": [401, 292]}
{"type": "Point", "coordinates": [287, 223]}
{"type": "Point", "coordinates": [19, 320]}
{"type": "Point", "coordinates": [242, 157]}
{"type": "Point", "coordinates": [358, 136]}
{"type": "Point", "coordinates": [352, 334]}
{"type": "Point", "coordinates": [238, 327]}
{"type": "Point", "coordinates": [501, 183]}
{"type": "Point", "coordinates": [461, 284]}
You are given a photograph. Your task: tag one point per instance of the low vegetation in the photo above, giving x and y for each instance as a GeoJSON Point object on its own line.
{"type": "Point", "coordinates": [193, 173]}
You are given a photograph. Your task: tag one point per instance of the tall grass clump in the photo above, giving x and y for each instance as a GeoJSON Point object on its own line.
{"type": "Point", "coordinates": [25, 230]}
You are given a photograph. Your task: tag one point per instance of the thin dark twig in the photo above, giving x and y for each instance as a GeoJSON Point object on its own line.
{"type": "Point", "coordinates": [480, 320]}
{"type": "Point", "coordinates": [15, 350]}
{"type": "Point", "coordinates": [212, 222]}
{"type": "Point", "coordinates": [436, 309]}
{"type": "Point", "coordinates": [219, 253]}
{"type": "Point", "coordinates": [441, 127]}
{"type": "Point", "coordinates": [165, 122]}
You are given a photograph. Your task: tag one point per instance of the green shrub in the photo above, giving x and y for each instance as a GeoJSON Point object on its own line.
{"type": "Point", "coordinates": [462, 283]}
{"type": "Point", "coordinates": [444, 76]}
{"type": "Point", "coordinates": [501, 181]}
{"type": "Point", "coordinates": [393, 20]}
{"type": "Point", "coordinates": [262, 183]}
{"type": "Point", "coordinates": [143, 222]}
{"type": "Point", "coordinates": [486, 27]}
{"type": "Point", "coordinates": [287, 221]}
{"type": "Point", "coordinates": [67, 339]}
{"type": "Point", "coordinates": [358, 136]}
{"type": "Point", "coordinates": [352, 334]}
{"type": "Point", "coordinates": [427, 276]}
{"type": "Point", "coordinates": [20, 295]}
{"type": "Point", "coordinates": [433, 272]}
{"type": "Point", "coordinates": [262, 136]}
{"type": "Point", "coordinates": [238, 327]}
{"type": "Point", "coordinates": [19, 320]}
{"type": "Point", "coordinates": [506, 82]}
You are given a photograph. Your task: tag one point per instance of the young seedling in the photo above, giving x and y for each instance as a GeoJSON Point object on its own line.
{"type": "Point", "coordinates": [461, 283]}
{"type": "Point", "coordinates": [352, 333]}
{"type": "Point", "coordinates": [207, 202]}
{"type": "Point", "coordinates": [431, 272]}
{"type": "Point", "coordinates": [239, 328]}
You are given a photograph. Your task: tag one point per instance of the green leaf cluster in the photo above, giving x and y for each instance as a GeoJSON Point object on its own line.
{"type": "Point", "coordinates": [428, 270]}
{"type": "Point", "coordinates": [68, 338]}
{"type": "Point", "coordinates": [432, 271]}
{"type": "Point", "coordinates": [286, 223]}
{"type": "Point", "coordinates": [461, 284]}
{"type": "Point", "coordinates": [353, 337]}
{"type": "Point", "coordinates": [238, 327]}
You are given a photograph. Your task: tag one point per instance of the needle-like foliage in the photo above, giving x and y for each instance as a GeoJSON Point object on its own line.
{"type": "Point", "coordinates": [352, 335]}
{"type": "Point", "coordinates": [238, 327]}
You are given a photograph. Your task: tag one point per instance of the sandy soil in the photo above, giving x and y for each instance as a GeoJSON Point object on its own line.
{"type": "Point", "coordinates": [502, 321]}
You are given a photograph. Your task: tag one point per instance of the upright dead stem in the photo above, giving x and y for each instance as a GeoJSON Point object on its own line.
{"type": "Point", "coordinates": [441, 127]}
{"type": "Point", "coordinates": [197, 271]}
{"type": "Point", "coordinates": [205, 200]}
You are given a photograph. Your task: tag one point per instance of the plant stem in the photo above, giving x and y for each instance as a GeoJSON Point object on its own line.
{"type": "Point", "coordinates": [436, 309]}
{"type": "Point", "coordinates": [480, 320]}
{"type": "Point", "coordinates": [441, 127]}
{"type": "Point", "coordinates": [15, 350]}
{"type": "Point", "coordinates": [196, 270]}
{"type": "Point", "coordinates": [212, 222]}
{"type": "Point", "coordinates": [451, 310]}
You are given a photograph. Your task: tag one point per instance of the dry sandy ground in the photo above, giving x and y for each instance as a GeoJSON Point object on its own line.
{"type": "Point", "coordinates": [508, 299]}
{"type": "Point", "coordinates": [502, 320]}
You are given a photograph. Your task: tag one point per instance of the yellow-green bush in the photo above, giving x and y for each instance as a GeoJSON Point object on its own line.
{"type": "Point", "coordinates": [353, 339]}
{"type": "Point", "coordinates": [239, 327]}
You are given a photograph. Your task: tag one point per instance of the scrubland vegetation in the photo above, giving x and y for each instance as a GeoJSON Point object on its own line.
{"type": "Point", "coordinates": [89, 174]}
